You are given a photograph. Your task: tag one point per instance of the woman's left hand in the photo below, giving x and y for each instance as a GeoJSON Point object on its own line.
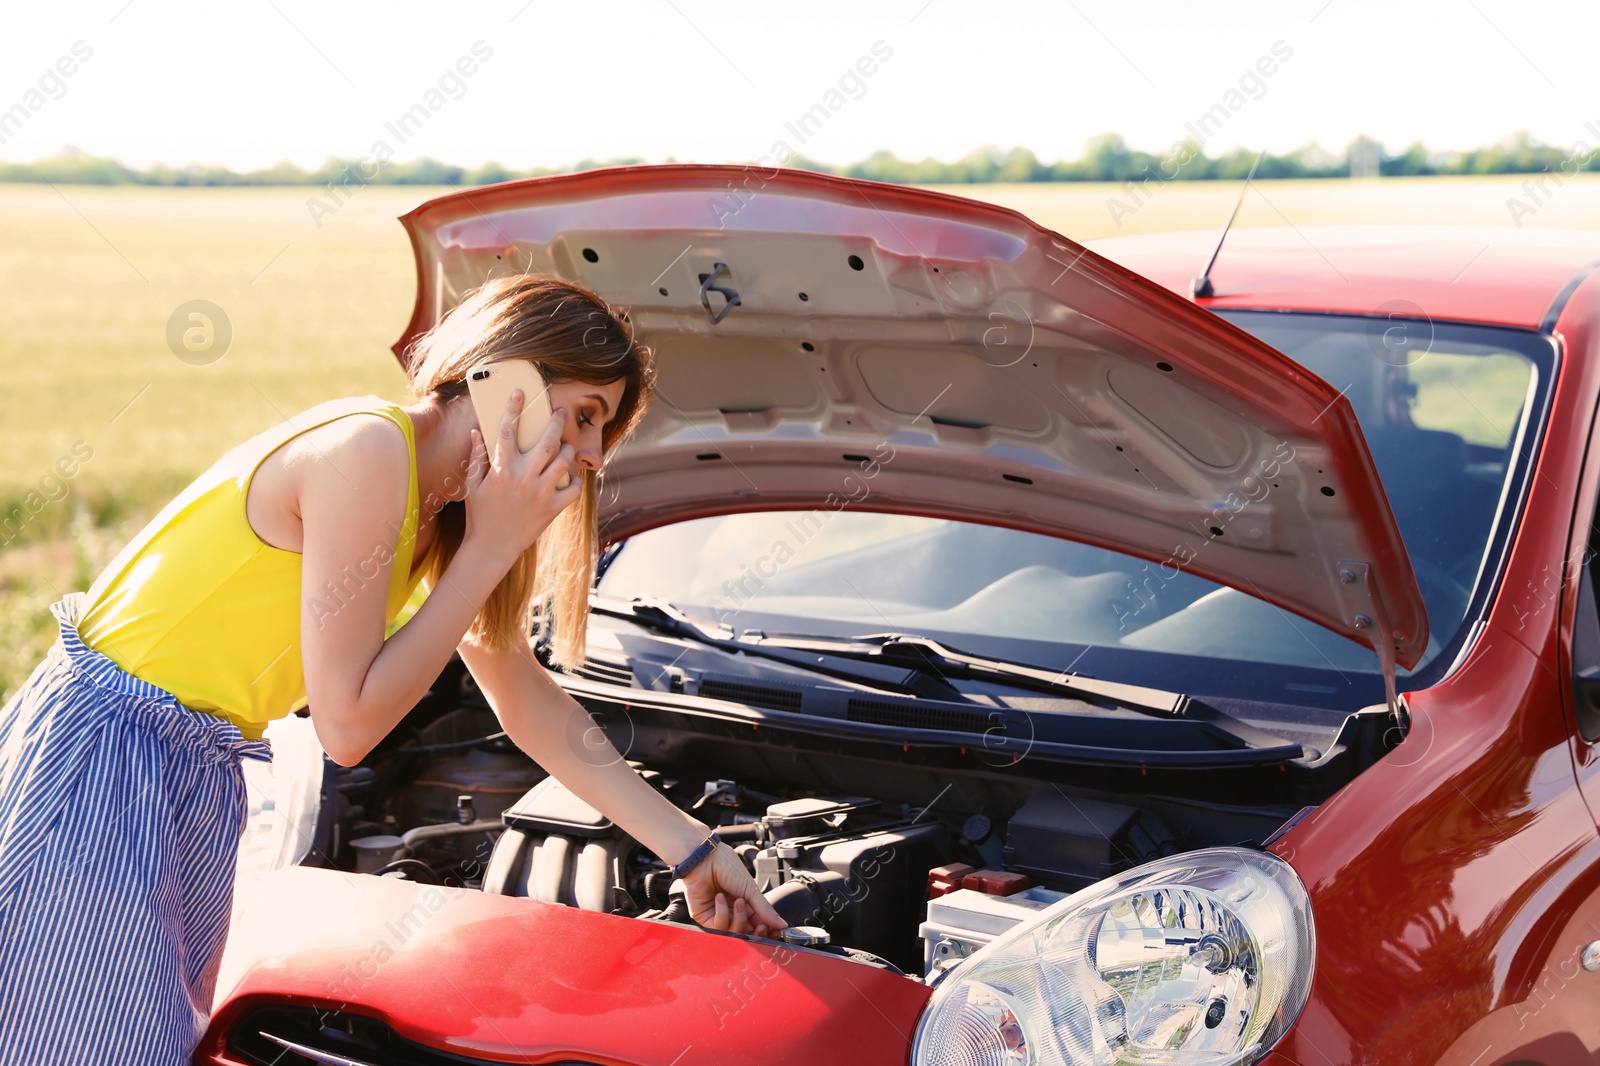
{"type": "Point", "coordinates": [722, 895]}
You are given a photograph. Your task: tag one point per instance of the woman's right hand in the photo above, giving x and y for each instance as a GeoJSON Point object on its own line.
{"type": "Point", "coordinates": [511, 495]}
{"type": "Point", "coordinates": [722, 895]}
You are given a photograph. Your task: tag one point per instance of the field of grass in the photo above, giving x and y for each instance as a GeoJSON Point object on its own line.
{"type": "Point", "coordinates": [89, 277]}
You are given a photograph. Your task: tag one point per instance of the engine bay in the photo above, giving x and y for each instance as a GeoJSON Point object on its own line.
{"type": "Point", "coordinates": [897, 865]}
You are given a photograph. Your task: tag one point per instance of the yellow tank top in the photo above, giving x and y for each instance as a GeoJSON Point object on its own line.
{"type": "Point", "coordinates": [202, 607]}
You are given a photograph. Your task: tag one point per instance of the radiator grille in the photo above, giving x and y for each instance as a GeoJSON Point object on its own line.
{"type": "Point", "coordinates": [303, 1036]}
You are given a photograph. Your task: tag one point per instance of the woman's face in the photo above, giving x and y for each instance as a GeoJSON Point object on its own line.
{"type": "Point", "coordinates": [589, 408]}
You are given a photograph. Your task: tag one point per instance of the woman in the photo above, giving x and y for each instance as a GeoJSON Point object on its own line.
{"type": "Point", "coordinates": [270, 582]}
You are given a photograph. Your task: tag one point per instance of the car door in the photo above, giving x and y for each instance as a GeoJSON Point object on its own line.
{"type": "Point", "coordinates": [1579, 576]}
{"type": "Point", "coordinates": [1553, 974]}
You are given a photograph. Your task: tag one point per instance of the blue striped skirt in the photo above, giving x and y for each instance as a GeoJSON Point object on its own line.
{"type": "Point", "coordinates": [120, 816]}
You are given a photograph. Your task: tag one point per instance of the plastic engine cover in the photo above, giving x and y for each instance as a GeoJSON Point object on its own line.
{"type": "Point", "coordinates": [557, 849]}
{"type": "Point", "coordinates": [866, 887]}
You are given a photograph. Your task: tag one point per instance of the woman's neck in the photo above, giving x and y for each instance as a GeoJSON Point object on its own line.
{"type": "Point", "coordinates": [444, 448]}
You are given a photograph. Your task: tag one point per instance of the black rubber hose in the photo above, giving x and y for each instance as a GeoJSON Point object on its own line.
{"type": "Point", "coordinates": [677, 910]}
{"type": "Point", "coordinates": [656, 883]}
{"type": "Point", "coordinates": [739, 832]}
{"type": "Point", "coordinates": [429, 875]}
{"type": "Point", "coordinates": [796, 902]}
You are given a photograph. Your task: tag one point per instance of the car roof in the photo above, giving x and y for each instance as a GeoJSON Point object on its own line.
{"type": "Point", "coordinates": [1496, 275]}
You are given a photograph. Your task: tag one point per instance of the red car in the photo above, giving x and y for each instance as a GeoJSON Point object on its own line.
{"type": "Point", "coordinates": [1091, 672]}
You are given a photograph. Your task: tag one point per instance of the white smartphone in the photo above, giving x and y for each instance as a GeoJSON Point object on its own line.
{"type": "Point", "coordinates": [491, 387]}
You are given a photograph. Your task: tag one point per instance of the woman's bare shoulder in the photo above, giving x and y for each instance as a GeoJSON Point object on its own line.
{"type": "Point", "coordinates": [360, 436]}
{"type": "Point", "coordinates": [358, 465]}
{"type": "Point", "coordinates": [360, 439]}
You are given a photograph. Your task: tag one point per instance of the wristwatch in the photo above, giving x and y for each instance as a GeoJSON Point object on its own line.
{"type": "Point", "coordinates": [696, 856]}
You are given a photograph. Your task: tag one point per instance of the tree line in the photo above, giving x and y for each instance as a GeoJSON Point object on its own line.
{"type": "Point", "coordinates": [1105, 158]}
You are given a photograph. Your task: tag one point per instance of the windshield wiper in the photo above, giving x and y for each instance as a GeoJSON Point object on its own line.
{"type": "Point", "coordinates": [923, 655]}
{"type": "Point", "coordinates": [934, 663]}
{"type": "Point", "coordinates": [927, 654]}
{"type": "Point", "coordinates": [907, 678]}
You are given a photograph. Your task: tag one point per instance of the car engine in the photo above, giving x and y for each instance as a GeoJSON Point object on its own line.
{"type": "Point", "coordinates": [450, 800]}
{"type": "Point", "coordinates": [839, 863]}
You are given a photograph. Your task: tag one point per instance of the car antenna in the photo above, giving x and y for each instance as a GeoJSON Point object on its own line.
{"type": "Point", "coordinates": [1202, 284]}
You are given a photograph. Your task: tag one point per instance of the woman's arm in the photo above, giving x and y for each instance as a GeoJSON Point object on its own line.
{"type": "Point", "coordinates": [361, 685]}
{"type": "Point", "coordinates": [350, 506]}
{"type": "Point", "coordinates": [556, 732]}
{"type": "Point", "coordinates": [542, 720]}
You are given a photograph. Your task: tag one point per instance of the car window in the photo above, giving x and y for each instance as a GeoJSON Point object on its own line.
{"type": "Point", "coordinates": [1442, 408]}
{"type": "Point", "coordinates": [1477, 397]}
{"type": "Point", "coordinates": [1448, 427]}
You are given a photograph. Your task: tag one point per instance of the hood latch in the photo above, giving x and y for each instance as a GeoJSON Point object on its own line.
{"type": "Point", "coordinates": [709, 284]}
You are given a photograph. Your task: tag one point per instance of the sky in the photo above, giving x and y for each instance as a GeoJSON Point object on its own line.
{"type": "Point", "coordinates": [253, 82]}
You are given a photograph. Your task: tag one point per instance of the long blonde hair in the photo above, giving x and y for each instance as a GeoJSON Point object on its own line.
{"type": "Point", "coordinates": [570, 334]}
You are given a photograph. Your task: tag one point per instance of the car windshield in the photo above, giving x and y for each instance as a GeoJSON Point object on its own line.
{"type": "Point", "coordinates": [1450, 413]}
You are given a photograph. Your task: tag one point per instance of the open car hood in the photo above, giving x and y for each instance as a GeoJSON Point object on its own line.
{"type": "Point", "coordinates": [801, 321]}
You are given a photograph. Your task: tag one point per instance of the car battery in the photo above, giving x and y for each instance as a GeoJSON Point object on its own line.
{"type": "Point", "coordinates": [961, 922]}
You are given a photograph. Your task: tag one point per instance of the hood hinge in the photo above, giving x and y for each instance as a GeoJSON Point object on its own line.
{"type": "Point", "coordinates": [1364, 609]}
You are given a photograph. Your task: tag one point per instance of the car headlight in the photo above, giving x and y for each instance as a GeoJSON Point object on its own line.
{"type": "Point", "coordinates": [1201, 959]}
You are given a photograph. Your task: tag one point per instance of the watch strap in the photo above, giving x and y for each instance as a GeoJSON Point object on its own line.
{"type": "Point", "coordinates": [696, 857]}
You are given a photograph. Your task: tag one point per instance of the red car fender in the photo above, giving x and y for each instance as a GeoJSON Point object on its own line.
{"type": "Point", "coordinates": [1579, 326]}
{"type": "Point", "coordinates": [1454, 883]}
